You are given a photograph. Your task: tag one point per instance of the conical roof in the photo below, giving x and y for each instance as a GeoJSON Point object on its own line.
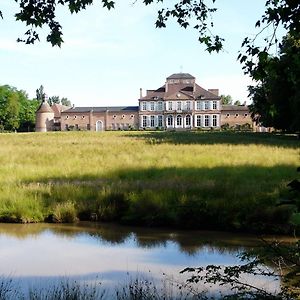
{"type": "Point", "coordinates": [44, 107]}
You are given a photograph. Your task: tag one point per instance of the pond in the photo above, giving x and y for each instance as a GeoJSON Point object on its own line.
{"type": "Point", "coordinates": [36, 255]}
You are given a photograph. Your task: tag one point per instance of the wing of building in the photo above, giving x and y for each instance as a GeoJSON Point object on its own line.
{"type": "Point", "coordinates": [179, 104]}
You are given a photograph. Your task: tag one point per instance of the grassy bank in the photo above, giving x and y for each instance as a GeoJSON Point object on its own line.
{"type": "Point", "coordinates": [186, 179]}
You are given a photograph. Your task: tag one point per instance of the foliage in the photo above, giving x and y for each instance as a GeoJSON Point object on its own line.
{"type": "Point", "coordinates": [284, 258]}
{"type": "Point", "coordinates": [226, 100]}
{"type": "Point", "coordinates": [276, 98]}
{"type": "Point", "coordinates": [16, 110]}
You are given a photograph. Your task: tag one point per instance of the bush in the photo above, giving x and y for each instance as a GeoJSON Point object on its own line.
{"type": "Point", "coordinates": [64, 213]}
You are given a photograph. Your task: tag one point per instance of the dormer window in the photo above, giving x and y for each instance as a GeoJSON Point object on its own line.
{"type": "Point", "coordinates": [131, 116]}
{"type": "Point", "coordinates": [67, 117]}
{"type": "Point", "coordinates": [123, 116]}
{"type": "Point", "coordinates": [82, 117]}
{"type": "Point", "coordinates": [75, 117]}
{"type": "Point", "coordinates": [236, 115]}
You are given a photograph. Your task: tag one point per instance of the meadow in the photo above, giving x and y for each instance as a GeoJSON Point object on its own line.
{"type": "Point", "coordinates": [207, 180]}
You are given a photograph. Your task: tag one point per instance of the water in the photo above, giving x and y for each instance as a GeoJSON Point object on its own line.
{"type": "Point", "coordinates": [38, 254]}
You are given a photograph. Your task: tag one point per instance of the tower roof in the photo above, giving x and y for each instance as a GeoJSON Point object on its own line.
{"type": "Point", "coordinates": [181, 76]}
{"type": "Point", "coordinates": [44, 107]}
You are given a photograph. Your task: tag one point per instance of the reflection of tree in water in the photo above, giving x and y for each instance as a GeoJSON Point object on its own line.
{"type": "Point", "coordinates": [188, 242]}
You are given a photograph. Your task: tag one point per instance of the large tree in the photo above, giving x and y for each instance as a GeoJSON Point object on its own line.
{"type": "Point", "coordinates": [276, 97]}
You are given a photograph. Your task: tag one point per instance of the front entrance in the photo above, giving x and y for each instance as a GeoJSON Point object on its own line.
{"type": "Point", "coordinates": [99, 126]}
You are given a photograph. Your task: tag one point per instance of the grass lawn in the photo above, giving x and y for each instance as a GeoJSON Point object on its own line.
{"type": "Point", "coordinates": [218, 180]}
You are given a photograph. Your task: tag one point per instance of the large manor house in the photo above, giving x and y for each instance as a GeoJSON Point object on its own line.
{"type": "Point", "coordinates": [180, 104]}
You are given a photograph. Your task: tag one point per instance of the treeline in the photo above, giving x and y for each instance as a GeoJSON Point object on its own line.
{"type": "Point", "coordinates": [17, 111]}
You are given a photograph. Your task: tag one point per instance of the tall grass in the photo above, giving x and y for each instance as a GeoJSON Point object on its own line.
{"type": "Point", "coordinates": [190, 179]}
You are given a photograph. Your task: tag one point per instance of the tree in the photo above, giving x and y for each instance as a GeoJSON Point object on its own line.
{"type": "Point", "coordinates": [237, 102]}
{"type": "Point", "coordinates": [40, 94]}
{"type": "Point", "coordinates": [17, 112]}
{"type": "Point", "coordinates": [226, 100]}
{"type": "Point", "coordinates": [66, 101]}
{"type": "Point", "coordinates": [276, 97]}
{"type": "Point", "coordinates": [53, 99]}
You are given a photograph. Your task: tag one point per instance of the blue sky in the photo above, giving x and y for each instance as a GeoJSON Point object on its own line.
{"type": "Point", "coordinates": [108, 55]}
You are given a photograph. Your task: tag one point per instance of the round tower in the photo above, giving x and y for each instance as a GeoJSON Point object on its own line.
{"type": "Point", "coordinates": [44, 118]}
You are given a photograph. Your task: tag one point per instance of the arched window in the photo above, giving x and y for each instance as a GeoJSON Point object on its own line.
{"type": "Point", "coordinates": [188, 120]}
{"type": "Point", "coordinates": [170, 120]}
{"type": "Point", "coordinates": [179, 120]}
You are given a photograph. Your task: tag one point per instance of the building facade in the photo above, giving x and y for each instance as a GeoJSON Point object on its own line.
{"type": "Point", "coordinates": [179, 104]}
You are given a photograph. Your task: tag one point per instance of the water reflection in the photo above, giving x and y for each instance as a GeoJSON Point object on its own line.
{"type": "Point", "coordinates": [43, 252]}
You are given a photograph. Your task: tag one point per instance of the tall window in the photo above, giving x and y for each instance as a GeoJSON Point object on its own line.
{"type": "Point", "coordinates": [159, 121]}
{"type": "Point", "coordinates": [144, 121]}
{"type": "Point", "coordinates": [214, 104]}
{"type": "Point", "coordinates": [152, 106]}
{"type": "Point", "coordinates": [198, 106]}
{"type": "Point", "coordinates": [214, 121]}
{"type": "Point", "coordinates": [144, 105]}
{"type": "Point", "coordinates": [170, 105]}
{"type": "Point", "coordinates": [198, 120]}
{"type": "Point", "coordinates": [179, 105]}
{"type": "Point", "coordinates": [206, 120]}
{"type": "Point", "coordinates": [179, 120]}
{"type": "Point", "coordinates": [170, 120]}
{"type": "Point", "coordinates": [206, 105]}
{"type": "Point", "coordinates": [159, 105]}
{"type": "Point", "coordinates": [188, 105]}
{"type": "Point", "coordinates": [152, 121]}
{"type": "Point", "coordinates": [188, 120]}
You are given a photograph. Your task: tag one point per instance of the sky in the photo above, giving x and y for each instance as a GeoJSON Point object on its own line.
{"type": "Point", "coordinates": [107, 56]}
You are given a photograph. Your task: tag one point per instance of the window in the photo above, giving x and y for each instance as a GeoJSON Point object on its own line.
{"type": "Point", "coordinates": [152, 121]}
{"type": "Point", "coordinates": [144, 105]}
{"type": "Point", "coordinates": [152, 106]}
{"type": "Point", "coordinates": [144, 121]}
{"type": "Point", "coordinates": [206, 105]}
{"type": "Point", "coordinates": [236, 115]}
{"type": "Point", "coordinates": [170, 120]}
{"type": "Point", "coordinates": [82, 117]}
{"type": "Point", "coordinates": [188, 105]}
{"type": "Point", "coordinates": [179, 120]}
{"type": "Point", "coordinates": [123, 116]}
{"type": "Point", "coordinates": [198, 105]}
{"type": "Point", "coordinates": [66, 127]}
{"type": "Point", "coordinates": [76, 127]}
{"type": "Point", "coordinates": [131, 116]}
{"type": "Point", "coordinates": [214, 104]}
{"type": "Point", "coordinates": [179, 105]}
{"type": "Point", "coordinates": [188, 120]}
{"type": "Point", "coordinates": [159, 121]}
{"type": "Point", "coordinates": [75, 117]}
{"type": "Point", "coordinates": [198, 121]}
{"type": "Point", "coordinates": [227, 115]}
{"type": "Point", "coordinates": [114, 117]}
{"type": "Point", "coordinates": [214, 121]}
{"type": "Point", "coordinates": [170, 105]}
{"type": "Point", "coordinates": [206, 120]}
{"type": "Point", "coordinates": [245, 115]}
{"type": "Point", "coordinates": [159, 105]}
{"type": "Point", "coordinates": [67, 117]}
{"type": "Point", "coordinates": [88, 127]}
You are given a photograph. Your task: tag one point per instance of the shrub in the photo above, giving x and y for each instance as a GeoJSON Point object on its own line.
{"type": "Point", "coordinates": [64, 213]}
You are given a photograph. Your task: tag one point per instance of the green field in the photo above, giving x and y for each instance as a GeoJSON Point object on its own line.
{"type": "Point", "coordinates": [230, 181]}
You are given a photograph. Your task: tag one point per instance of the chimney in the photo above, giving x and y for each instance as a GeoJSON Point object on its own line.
{"type": "Point", "coordinates": [166, 88]}
{"type": "Point", "coordinates": [214, 91]}
{"type": "Point", "coordinates": [245, 103]}
{"type": "Point", "coordinates": [141, 93]}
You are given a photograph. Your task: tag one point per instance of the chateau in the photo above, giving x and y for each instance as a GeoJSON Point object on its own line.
{"type": "Point", "coordinates": [179, 104]}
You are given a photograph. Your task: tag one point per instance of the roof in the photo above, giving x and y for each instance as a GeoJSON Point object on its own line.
{"type": "Point", "coordinates": [181, 76]}
{"type": "Point", "coordinates": [102, 109]}
{"type": "Point", "coordinates": [58, 108]}
{"type": "Point", "coordinates": [190, 92]}
{"type": "Point", "coordinates": [235, 107]}
{"type": "Point", "coordinates": [44, 107]}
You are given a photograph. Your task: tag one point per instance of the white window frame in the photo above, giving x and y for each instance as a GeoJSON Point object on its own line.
{"type": "Point", "coordinates": [206, 105]}
{"type": "Point", "coordinates": [215, 105]}
{"type": "Point", "coordinates": [144, 121]}
{"type": "Point", "coordinates": [152, 106]}
{"type": "Point", "coordinates": [179, 105]}
{"type": "Point", "coordinates": [198, 120]}
{"type": "Point", "coordinates": [160, 121]}
{"type": "Point", "coordinates": [206, 120]}
{"type": "Point", "coordinates": [144, 105]}
{"type": "Point", "coordinates": [179, 118]}
{"type": "Point", "coordinates": [152, 121]}
{"type": "Point", "coordinates": [188, 117]}
{"type": "Point", "coordinates": [198, 105]}
{"type": "Point", "coordinates": [188, 105]}
{"type": "Point", "coordinates": [160, 105]}
{"type": "Point", "coordinates": [214, 121]}
{"type": "Point", "coordinates": [170, 105]}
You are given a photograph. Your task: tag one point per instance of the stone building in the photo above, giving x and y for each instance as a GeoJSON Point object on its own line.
{"type": "Point", "coordinates": [179, 104]}
{"type": "Point", "coordinates": [100, 118]}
